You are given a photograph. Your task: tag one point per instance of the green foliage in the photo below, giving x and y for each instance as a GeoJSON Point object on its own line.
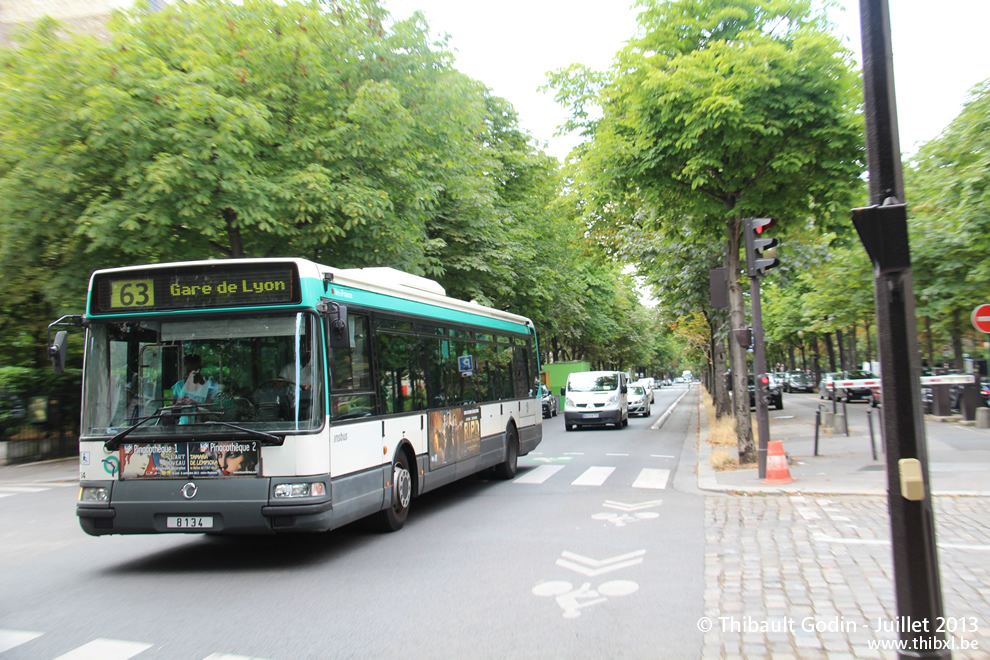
{"type": "Point", "coordinates": [948, 191]}
{"type": "Point", "coordinates": [252, 129]}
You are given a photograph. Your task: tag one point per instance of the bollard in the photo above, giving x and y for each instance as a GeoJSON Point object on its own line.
{"type": "Point", "coordinates": [873, 444]}
{"type": "Point", "coordinates": [983, 418]}
{"type": "Point", "coordinates": [845, 416]}
{"type": "Point", "coordinates": [818, 421]}
{"type": "Point", "coordinates": [829, 420]}
{"type": "Point", "coordinates": [840, 424]}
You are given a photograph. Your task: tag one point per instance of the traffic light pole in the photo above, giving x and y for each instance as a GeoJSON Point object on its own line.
{"type": "Point", "coordinates": [760, 367]}
{"type": "Point", "coordinates": [882, 229]}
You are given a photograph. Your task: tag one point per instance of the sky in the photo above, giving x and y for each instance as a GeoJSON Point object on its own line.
{"type": "Point", "coordinates": [510, 45]}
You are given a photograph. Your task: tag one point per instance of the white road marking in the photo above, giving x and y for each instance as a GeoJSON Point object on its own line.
{"type": "Point", "coordinates": [592, 567]}
{"type": "Point", "coordinates": [11, 638]}
{"type": "Point", "coordinates": [622, 506]}
{"type": "Point", "coordinates": [539, 475]}
{"type": "Point", "coordinates": [23, 489]}
{"type": "Point", "coordinates": [593, 476]}
{"type": "Point", "coordinates": [652, 478]}
{"type": "Point", "coordinates": [106, 649]}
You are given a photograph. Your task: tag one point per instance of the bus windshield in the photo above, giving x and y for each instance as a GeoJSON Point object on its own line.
{"type": "Point", "coordinates": [173, 377]}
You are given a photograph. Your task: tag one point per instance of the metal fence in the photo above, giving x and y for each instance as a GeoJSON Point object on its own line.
{"type": "Point", "coordinates": [38, 425]}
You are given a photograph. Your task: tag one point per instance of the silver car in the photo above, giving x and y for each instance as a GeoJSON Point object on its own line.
{"type": "Point", "coordinates": [639, 400]}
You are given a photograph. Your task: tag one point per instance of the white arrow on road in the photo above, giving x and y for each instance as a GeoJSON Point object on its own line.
{"type": "Point", "coordinates": [592, 567]}
{"type": "Point", "coordinates": [622, 506]}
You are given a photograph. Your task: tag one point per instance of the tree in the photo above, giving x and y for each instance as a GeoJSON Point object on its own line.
{"type": "Point", "coordinates": [245, 129]}
{"type": "Point", "coordinates": [723, 109]}
{"type": "Point", "coordinates": [948, 190]}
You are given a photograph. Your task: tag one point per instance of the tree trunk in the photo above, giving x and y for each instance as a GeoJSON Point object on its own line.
{"type": "Point", "coordinates": [737, 354]}
{"type": "Point", "coordinates": [931, 350]}
{"type": "Point", "coordinates": [843, 356]}
{"type": "Point", "coordinates": [869, 348]}
{"type": "Point", "coordinates": [853, 358]}
{"type": "Point", "coordinates": [817, 357]}
{"type": "Point", "coordinates": [831, 351]}
{"type": "Point", "coordinates": [957, 332]}
{"type": "Point", "coordinates": [233, 234]}
{"type": "Point", "coordinates": [720, 393]}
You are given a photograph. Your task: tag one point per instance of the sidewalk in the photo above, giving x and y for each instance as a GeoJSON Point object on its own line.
{"type": "Point", "coordinates": [958, 458]}
{"type": "Point", "coordinates": [55, 470]}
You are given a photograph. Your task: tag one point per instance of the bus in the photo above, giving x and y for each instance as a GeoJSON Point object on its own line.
{"type": "Point", "coordinates": [261, 396]}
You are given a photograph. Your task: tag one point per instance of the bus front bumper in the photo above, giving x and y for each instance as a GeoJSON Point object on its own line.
{"type": "Point", "coordinates": [217, 506]}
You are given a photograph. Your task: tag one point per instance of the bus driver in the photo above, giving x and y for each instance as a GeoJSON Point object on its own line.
{"type": "Point", "coordinates": [194, 390]}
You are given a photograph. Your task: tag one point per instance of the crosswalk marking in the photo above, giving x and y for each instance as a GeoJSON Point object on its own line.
{"type": "Point", "coordinates": [106, 649]}
{"type": "Point", "coordinates": [593, 476]}
{"type": "Point", "coordinates": [23, 489]}
{"type": "Point", "coordinates": [539, 475]}
{"type": "Point", "coordinates": [11, 638]}
{"type": "Point", "coordinates": [652, 478]}
{"type": "Point", "coordinates": [98, 649]}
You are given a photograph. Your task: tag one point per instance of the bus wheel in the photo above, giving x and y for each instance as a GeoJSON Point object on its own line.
{"type": "Point", "coordinates": [507, 469]}
{"type": "Point", "coordinates": [392, 518]}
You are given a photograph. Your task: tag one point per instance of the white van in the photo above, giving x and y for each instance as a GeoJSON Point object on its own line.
{"type": "Point", "coordinates": [596, 398]}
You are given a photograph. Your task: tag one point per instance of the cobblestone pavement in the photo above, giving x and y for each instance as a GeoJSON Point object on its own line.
{"type": "Point", "coordinates": [811, 577]}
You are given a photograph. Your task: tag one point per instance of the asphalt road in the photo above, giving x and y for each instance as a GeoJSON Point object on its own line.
{"type": "Point", "coordinates": [596, 549]}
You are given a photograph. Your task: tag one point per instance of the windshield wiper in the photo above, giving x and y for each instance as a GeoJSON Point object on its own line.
{"type": "Point", "coordinates": [272, 439]}
{"type": "Point", "coordinates": [114, 443]}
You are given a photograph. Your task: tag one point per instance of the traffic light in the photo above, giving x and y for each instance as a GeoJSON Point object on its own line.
{"type": "Point", "coordinates": [760, 249]}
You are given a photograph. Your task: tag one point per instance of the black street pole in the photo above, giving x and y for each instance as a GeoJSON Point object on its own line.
{"type": "Point", "coordinates": [760, 369]}
{"type": "Point", "coordinates": [882, 228]}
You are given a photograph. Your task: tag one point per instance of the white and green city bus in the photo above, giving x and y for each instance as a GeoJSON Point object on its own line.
{"type": "Point", "coordinates": [279, 395]}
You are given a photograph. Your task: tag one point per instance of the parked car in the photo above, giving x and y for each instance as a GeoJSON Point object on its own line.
{"type": "Point", "coordinates": [639, 400]}
{"type": "Point", "coordinates": [773, 387]}
{"type": "Point", "coordinates": [647, 384]}
{"type": "Point", "coordinates": [850, 394]}
{"type": "Point", "coordinates": [825, 384]}
{"type": "Point", "coordinates": [549, 403]}
{"type": "Point", "coordinates": [985, 391]}
{"type": "Point", "coordinates": [799, 381]}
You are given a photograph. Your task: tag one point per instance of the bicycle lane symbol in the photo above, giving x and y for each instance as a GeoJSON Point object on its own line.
{"type": "Point", "coordinates": [572, 600]}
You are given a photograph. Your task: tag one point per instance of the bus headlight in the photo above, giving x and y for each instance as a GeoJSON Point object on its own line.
{"type": "Point", "coordinates": [300, 490]}
{"type": "Point", "coordinates": [90, 494]}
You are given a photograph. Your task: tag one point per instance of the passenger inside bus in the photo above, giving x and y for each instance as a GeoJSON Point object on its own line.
{"type": "Point", "coordinates": [194, 391]}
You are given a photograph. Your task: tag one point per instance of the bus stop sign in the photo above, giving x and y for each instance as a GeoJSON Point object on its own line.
{"type": "Point", "coordinates": [981, 318]}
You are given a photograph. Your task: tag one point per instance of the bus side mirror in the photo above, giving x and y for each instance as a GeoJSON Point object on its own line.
{"type": "Point", "coordinates": [57, 352]}
{"type": "Point", "coordinates": [337, 314]}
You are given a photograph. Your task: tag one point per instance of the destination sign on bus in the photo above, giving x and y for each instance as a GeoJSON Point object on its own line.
{"type": "Point", "coordinates": [193, 287]}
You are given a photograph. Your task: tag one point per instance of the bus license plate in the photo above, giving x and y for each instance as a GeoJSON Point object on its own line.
{"type": "Point", "coordinates": [189, 522]}
{"type": "Point", "coordinates": [590, 416]}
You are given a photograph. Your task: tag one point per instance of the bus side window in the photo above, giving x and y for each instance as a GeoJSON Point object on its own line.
{"type": "Point", "coordinates": [351, 392]}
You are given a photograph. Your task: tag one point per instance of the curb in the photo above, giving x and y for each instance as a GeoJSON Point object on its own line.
{"type": "Point", "coordinates": [708, 481]}
{"type": "Point", "coordinates": [664, 417]}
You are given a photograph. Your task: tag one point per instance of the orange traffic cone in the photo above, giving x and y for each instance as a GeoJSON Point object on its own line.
{"type": "Point", "coordinates": [778, 473]}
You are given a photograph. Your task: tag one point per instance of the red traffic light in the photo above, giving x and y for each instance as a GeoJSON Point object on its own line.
{"type": "Point", "coordinates": [765, 380]}
{"type": "Point", "coordinates": [770, 222]}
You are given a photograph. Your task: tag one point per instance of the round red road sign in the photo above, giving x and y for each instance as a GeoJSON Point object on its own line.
{"type": "Point", "coordinates": [981, 318]}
